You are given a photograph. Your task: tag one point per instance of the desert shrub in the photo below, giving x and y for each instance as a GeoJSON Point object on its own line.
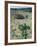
{"type": "Point", "coordinates": [23, 28]}
{"type": "Point", "coordinates": [26, 16]}
{"type": "Point", "coordinates": [19, 16]}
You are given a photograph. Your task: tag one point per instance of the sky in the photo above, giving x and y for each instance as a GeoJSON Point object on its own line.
{"type": "Point", "coordinates": [19, 7]}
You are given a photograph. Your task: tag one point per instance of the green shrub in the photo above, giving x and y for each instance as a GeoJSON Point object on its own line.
{"type": "Point", "coordinates": [23, 28]}
{"type": "Point", "coordinates": [19, 16]}
{"type": "Point", "coordinates": [26, 16]}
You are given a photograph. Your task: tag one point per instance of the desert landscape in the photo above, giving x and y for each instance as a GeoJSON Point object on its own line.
{"type": "Point", "coordinates": [21, 23]}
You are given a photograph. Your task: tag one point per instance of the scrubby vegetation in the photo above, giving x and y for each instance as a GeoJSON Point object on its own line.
{"type": "Point", "coordinates": [21, 24]}
{"type": "Point", "coordinates": [19, 16]}
{"type": "Point", "coordinates": [23, 28]}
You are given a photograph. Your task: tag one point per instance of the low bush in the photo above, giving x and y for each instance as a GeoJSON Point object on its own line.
{"type": "Point", "coordinates": [19, 16]}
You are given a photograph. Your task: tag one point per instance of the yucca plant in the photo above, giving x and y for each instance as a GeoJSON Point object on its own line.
{"type": "Point", "coordinates": [24, 28]}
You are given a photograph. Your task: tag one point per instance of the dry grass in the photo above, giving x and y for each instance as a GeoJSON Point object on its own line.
{"type": "Point", "coordinates": [16, 22]}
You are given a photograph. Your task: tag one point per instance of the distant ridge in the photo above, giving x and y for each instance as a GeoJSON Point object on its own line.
{"type": "Point", "coordinates": [25, 9]}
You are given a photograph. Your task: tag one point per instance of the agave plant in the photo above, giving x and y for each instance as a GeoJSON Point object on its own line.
{"type": "Point", "coordinates": [24, 28]}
